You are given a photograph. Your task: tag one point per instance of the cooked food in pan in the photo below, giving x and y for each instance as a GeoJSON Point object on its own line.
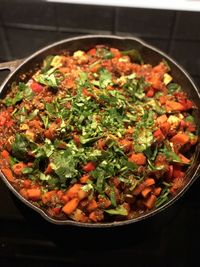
{"type": "Point", "coordinates": [97, 136]}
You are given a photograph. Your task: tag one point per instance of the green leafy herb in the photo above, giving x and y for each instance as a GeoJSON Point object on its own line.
{"type": "Point", "coordinates": [104, 53]}
{"type": "Point", "coordinates": [64, 164]}
{"type": "Point", "coordinates": [49, 78]}
{"type": "Point", "coordinates": [163, 198]}
{"type": "Point", "coordinates": [105, 78]}
{"type": "Point", "coordinates": [33, 114]}
{"type": "Point", "coordinates": [113, 198]}
{"type": "Point", "coordinates": [170, 155]}
{"type": "Point", "coordinates": [120, 210]}
{"type": "Point", "coordinates": [88, 187]}
{"type": "Point", "coordinates": [47, 64]}
{"type": "Point", "coordinates": [144, 139]}
{"type": "Point", "coordinates": [190, 118]}
{"type": "Point", "coordinates": [27, 170]}
{"type": "Point", "coordinates": [20, 147]}
{"type": "Point", "coordinates": [45, 120]}
{"type": "Point", "coordinates": [22, 91]}
{"type": "Point", "coordinates": [173, 87]}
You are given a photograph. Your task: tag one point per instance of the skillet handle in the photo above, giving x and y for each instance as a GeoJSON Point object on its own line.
{"type": "Point", "coordinates": [10, 65]}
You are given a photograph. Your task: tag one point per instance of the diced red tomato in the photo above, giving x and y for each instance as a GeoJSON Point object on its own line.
{"type": "Point", "coordinates": [150, 92]}
{"type": "Point", "coordinates": [159, 135]}
{"type": "Point", "coordinates": [90, 166]}
{"type": "Point", "coordinates": [36, 87]}
{"type": "Point", "coordinates": [5, 155]}
{"type": "Point", "coordinates": [2, 120]}
{"type": "Point", "coordinates": [177, 173]}
{"type": "Point", "coordinates": [56, 210]}
{"type": "Point", "coordinates": [9, 123]}
{"type": "Point", "coordinates": [92, 51]}
{"type": "Point", "coordinates": [191, 127]}
{"type": "Point", "coordinates": [163, 99]}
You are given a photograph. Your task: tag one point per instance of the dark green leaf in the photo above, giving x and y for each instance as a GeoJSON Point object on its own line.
{"type": "Point", "coordinates": [104, 53]}
{"type": "Point", "coordinates": [134, 55]}
{"type": "Point", "coordinates": [47, 64]}
{"type": "Point", "coordinates": [20, 147]}
{"type": "Point", "coordinates": [170, 155]}
{"type": "Point", "coordinates": [173, 87]}
{"type": "Point", "coordinates": [49, 78]}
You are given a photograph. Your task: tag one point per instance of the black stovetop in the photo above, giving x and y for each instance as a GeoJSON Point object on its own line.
{"type": "Point", "coordinates": [169, 239]}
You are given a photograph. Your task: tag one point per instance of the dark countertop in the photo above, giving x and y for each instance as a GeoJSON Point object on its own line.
{"type": "Point", "coordinates": [169, 239]}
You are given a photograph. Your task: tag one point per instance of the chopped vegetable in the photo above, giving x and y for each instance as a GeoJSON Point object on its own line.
{"type": "Point", "coordinates": [97, 136]}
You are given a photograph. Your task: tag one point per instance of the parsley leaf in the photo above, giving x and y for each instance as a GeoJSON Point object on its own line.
{"type": "Point", "coordinates": [22, 91]}
{"type": "Point", "coordinates": [64, 165]}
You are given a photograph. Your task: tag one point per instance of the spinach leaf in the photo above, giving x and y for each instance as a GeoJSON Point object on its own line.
{"type": "Point", "coordinates": [49, 78]}
{"type": "Point", "coordinates": [170, 155]}
{"type": "Point", "coordinates": [134, 55]}
{"type": "Point", "coordinates": [20, 147]}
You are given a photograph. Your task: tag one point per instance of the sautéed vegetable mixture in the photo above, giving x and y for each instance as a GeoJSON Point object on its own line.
{"type": "Point", "coordinates": [97, 136]}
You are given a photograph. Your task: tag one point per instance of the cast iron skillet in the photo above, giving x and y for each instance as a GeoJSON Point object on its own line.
{"type": "Point", "coordinates": [150, 55]}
